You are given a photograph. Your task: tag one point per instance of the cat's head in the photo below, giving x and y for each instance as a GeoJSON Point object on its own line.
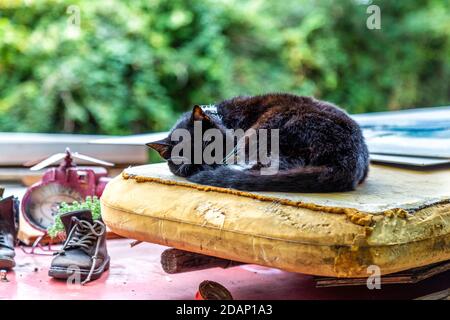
{"type": "Point", "coordinates": [165, 147]}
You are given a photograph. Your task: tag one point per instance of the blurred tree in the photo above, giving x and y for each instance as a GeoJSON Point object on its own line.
{"type": "Point", "coordinates": [121, 67]}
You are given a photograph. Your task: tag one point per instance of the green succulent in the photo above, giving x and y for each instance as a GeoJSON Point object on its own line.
{"type": "Point", "coordinates": [91, 203]}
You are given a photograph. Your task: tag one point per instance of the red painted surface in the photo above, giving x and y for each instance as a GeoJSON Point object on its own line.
{"type": "Point", "coordinates": [136, 273]}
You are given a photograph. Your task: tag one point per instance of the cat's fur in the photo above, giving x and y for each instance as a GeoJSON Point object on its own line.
{"type": "Point", "coordinates": [321, 148]}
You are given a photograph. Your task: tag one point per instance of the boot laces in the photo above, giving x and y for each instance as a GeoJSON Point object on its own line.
{"type": "Point", "coordinates": [83, 235]}
{"type": "Point", "coordinates": [2, 235]}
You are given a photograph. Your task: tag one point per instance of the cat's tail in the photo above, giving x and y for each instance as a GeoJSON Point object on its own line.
{"type": "Point", "coordinates": [305, 179]}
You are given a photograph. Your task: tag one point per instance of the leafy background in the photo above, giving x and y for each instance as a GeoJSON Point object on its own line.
{"type": "Point", "coordinates": [133, 66]}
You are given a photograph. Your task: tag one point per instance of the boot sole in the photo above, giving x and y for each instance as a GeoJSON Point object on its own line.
{"type": "Point", "coordinates": [7, 263]}
{"type": "Point", "coordinates": [65, 273]}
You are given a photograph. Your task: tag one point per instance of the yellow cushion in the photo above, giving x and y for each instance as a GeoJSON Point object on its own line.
{"type": "Point", "coordinates": [399, 219]}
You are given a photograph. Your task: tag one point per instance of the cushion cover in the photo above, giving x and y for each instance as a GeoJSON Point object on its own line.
{"type": "Point", "coordinates": [398, 219]}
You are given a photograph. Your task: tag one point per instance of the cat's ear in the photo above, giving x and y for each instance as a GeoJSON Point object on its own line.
{"type": "Point", "coordinates": [199, 115]}
{"type": "Point", "coordinates": [162, 147]}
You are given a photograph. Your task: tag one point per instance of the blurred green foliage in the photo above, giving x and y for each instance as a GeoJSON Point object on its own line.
{"type": "Point", "coordinates": [133, 66]}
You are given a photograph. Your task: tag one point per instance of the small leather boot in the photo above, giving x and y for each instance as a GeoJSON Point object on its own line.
{"type": "Point", "coordinates": [8, 232]}
{"type": "Point", "coordinates": [84, 252]}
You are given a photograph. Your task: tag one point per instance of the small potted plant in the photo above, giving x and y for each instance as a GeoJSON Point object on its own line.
{"type": "Point", "coordinates": [56, 231]}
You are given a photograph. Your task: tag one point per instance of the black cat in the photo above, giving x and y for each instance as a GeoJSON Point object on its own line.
{"type": "Point", "coordinates": [321, 149]}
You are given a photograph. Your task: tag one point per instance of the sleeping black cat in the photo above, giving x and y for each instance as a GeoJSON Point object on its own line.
{"type": "Point", "coordinates": [321, 149]}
